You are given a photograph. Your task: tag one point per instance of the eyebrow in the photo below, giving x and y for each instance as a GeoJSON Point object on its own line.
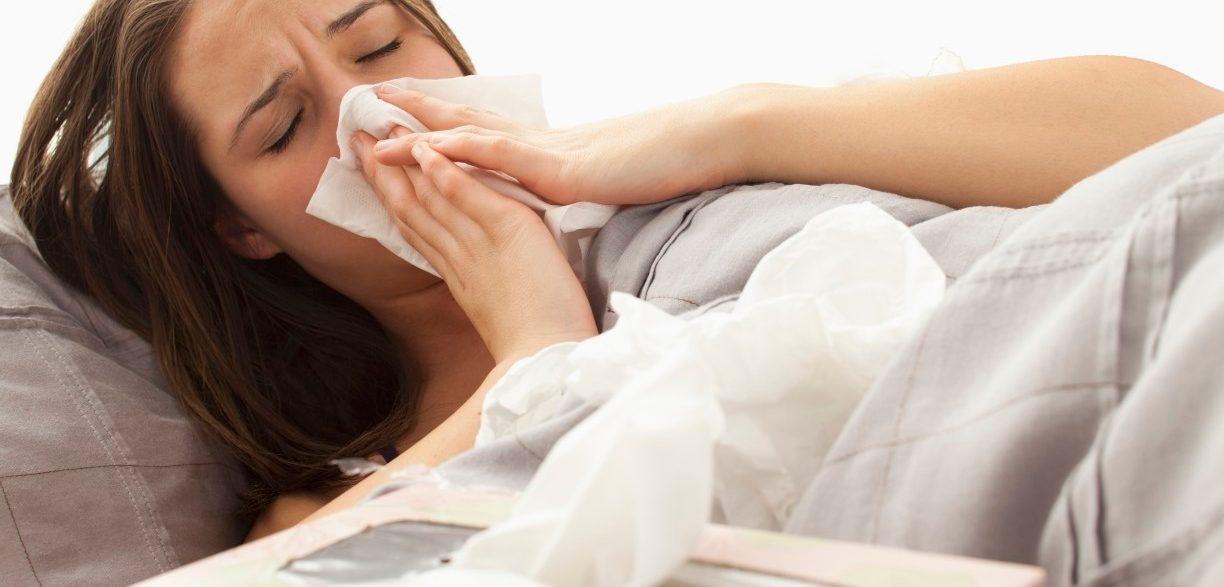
{"type": "Point", "coordinates": [347, 19]}
{"type": "Point", "coordinates": [336, 27]}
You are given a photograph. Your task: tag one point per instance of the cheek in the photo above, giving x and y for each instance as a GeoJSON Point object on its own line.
{"type": "Point", "coordinates": [276, 196]}
{"type": "Point", "coordinates": [438, 65]}
{"type": "Point", "coordinates": [428, 59]}
{"type": "Point", "coordinates": [272, 194]}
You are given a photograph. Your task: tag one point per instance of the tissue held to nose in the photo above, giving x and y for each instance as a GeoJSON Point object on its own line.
{"type": "Point", "coordinates": [343, 197]}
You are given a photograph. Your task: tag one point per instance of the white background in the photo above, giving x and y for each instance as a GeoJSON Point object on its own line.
{"type": "Point", "coordinates": [605, 58]}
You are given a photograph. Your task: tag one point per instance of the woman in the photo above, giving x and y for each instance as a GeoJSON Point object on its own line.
{"type": "Point", "coordinates": [167, 161]}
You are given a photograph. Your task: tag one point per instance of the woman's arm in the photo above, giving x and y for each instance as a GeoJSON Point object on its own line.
{"type": "Point", "coordinates": [455, 435]}
{"type": "Point", "coordinates": [1007, 136]}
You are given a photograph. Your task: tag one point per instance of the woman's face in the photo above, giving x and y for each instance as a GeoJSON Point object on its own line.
{"type": "Point", "coordinates": [261, 82]}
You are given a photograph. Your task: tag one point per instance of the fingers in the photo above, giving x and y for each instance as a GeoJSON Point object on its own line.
{"type": "Point", "coordinates": [396, 149]}
{"type": "Point", "coordinates": [528, 164]}
{"type": "Point", "coordinates": [486, 207]}
{"type": "Point", "coordinates": [439, 205]}
{"type": "Point", "coordinates": [398, 195]}
{"type": "Point", "coordinates": [440, 262]}
{"type": "Point", "coordinates": [439, 114]}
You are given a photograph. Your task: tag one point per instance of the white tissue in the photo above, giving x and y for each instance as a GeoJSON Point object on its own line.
{"type": "Point", "coordinates": [945, 62]}
{"type": "Point", "coordinates": [731, 409]}
{"type": "Point", "coordinates": [343, 197]}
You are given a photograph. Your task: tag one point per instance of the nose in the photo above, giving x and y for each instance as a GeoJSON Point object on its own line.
{"type": "Point", "coordinates": [335, 81]}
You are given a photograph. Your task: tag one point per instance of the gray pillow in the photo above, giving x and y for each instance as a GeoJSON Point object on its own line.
{"type": "Point", "coordinates": [103, 480]}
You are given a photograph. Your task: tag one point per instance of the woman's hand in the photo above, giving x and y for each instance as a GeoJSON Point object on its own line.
{"type": "Point", "coordinates": [636, 159]}
{"type": "Point", "coordinates": [495, 254]}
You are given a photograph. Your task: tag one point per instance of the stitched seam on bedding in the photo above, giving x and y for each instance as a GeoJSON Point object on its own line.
{"type": "Point", "coordinates": [1154, 560]}
{"type": "Point", "coordinates": [995, 410]}
{"type": "Point", "coordinates": [133, 480]}
{"type": "Point", "coordinates": [1030, 272]}
{"type": "Point", "coordinates": [685, 224]}
{"type": "Point", "coordinates": [1180, 198]}
{"type": "Point", "coordinates": [145, 515]}
{"type": "Point", "coordinates": [1087, 237]}
{"type": "Point", "coordinates": [17, 529]}
{"type": "Point", "coordinates": [8, 243]}
{"type": "Point", "coordinates": [653, 298]}
{"type": "Point", "coordinates": [1192, 182]}
{"type": "Point", "coordinates": [76, 392]}
{"type": "Point", "coordinates": [654, 263]}
{"type": "Point", "coordinates": [1068, 507]}
{"type": "Point", "coordinates": [896, 429]}
{"type": "Point", "coordinates": [8, 322]}
{"type": "Point", "coordinates": [92, 467]}
{"type": "Point", "coordinates": [713, 304]}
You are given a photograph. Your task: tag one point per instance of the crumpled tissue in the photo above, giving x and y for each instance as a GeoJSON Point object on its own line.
{"type": "Point", "coordinates": [343, 197]}
{"type": "Point", "coordinates": [731, 410]}
{"type": "Point", "coordinates": [944, 62]}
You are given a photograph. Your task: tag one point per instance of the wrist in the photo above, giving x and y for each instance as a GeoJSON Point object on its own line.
{"type": "Point", "coordinates": [767, 132]}
{"type": "Point", "coordinates": [745, 115]}
{"type": "Point", "coordinates": [715, 127]}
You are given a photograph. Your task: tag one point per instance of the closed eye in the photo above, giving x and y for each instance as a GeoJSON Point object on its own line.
{"type": "Point", "coordinates": [390, 48]}
{"type": "Point", "coordinates": [283, 143]}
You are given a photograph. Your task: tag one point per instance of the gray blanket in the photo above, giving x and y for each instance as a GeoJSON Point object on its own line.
{"type": "Point", "coordinates": [1062, 407]}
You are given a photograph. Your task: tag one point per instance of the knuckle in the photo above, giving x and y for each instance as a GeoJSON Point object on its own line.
{"type": "Point", "coordinates": [371, 173]}
{"type": "Point", "coordinates": [403, 220]}
{"type": "Point", "coordinates": [448, 182]}
{"type": "Point", "coordinates": [425, 197]}
{"type": "Point", "coordinates": [515, 218]}
{"type": "Point", "coordinates": [501, 145]}
{"type": "Point", "coordinates": [410, 97]}
{"type": "Point", "coordinates": [467, 112]}
{"type": "Point", "coordinates": [468, 249]}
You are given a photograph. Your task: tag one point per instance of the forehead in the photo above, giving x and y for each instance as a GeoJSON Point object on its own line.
{"type": "Point", "coordinates": [227, 51]}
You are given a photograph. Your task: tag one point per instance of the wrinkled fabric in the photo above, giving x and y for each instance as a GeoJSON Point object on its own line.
{"type": "Point", "coordinates": [718, 408]}
{"type": "Point", "coordinates": [817, 321]}
{"type": "Point", "coordinates": [1030, 397]}
{"type": "Point", "coordinates": [103, 479]}
{"type": "Point", "coordinates": [1062, 405]}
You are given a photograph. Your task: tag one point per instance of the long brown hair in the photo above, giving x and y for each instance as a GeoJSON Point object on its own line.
{"type": "Point", "coordinates": [285, 371]}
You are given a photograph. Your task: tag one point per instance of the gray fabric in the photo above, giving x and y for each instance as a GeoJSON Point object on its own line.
{"type": "Point", "coordinates": [688, 255]}
{"type": "Point", "coordinates": [1062, 406]}
{"type": "Point", "coordinates": [685, 253]}
{"type": "Point", "coordinates": [508, 463]}
{"type": "Point", "coordinates": [102, 480]}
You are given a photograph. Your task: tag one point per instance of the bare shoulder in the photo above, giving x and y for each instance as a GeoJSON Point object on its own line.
{"type": "Point", "coordinates": [287, 511]}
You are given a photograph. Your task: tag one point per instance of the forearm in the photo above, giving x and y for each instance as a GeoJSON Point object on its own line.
{"type": "Point", "coordinates": [1009, 136]}
{"type": "Point", "coordinates": [455, 435]}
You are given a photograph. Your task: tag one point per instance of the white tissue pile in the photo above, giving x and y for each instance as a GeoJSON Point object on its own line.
{"type": "Point", "coordinates": [731, 410]}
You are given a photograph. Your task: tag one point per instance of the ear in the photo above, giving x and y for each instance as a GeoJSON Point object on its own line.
{"type": "Point", "coordinates": [241, 236]}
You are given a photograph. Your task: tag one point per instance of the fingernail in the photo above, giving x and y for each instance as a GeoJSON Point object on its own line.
{"type": "Point", "coordinates": [356, 144]}
{"type": "Point", "coordinates": [400, 132]}
{"type": "Point", "coordinates": [418, 150]}
{"type": "Point", "coordinates": [386, 89]}
{"type": "Point", "coordinates": [381, 146]}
